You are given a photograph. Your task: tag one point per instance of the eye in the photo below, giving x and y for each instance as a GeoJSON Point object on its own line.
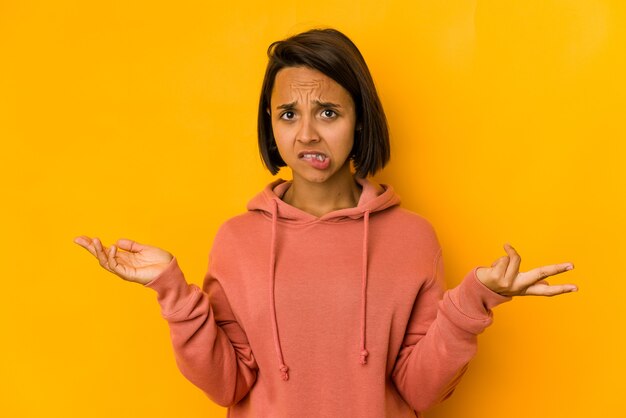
{"type": "Point", "coordinates": [329, 114]}
{"type": "Point", "coordinates": [288, 115]}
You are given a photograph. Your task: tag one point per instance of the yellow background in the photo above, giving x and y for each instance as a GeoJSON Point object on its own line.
{"type": "Point", "coordinates": [137, 119]}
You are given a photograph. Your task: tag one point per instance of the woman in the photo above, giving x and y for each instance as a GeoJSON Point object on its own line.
{"type": "Point", "coordinates": [325, 299]}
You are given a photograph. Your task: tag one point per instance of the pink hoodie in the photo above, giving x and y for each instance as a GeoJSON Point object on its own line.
{"type": "Point", "coordinates": [339, 316]}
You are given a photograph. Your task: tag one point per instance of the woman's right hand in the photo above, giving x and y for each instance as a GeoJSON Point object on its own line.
{"type": "Point", "coordinates": [137, 262]}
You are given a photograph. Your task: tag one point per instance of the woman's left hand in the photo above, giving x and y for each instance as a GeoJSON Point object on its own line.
{"type": "Point", "coordinates": [504, 277]}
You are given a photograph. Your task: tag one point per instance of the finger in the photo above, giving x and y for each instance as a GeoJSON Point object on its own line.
{"type": "Point", "coordinates": [515, 260]}
{"type": "Point", "coordinates": [544, 289]}
{"type": "Point", "coordinates": [101, 253]}
{"type": "Point", "coordinates": [540, 273]}
{"type": "Point", "coordinates": [499, 266]}
{"type": "Point", "coordinates": [130, 245]}
{"type": "Point", "coordinates": [116, 267]}
{"type": "Point", "coordinates": [81, 240]}
{"type": "Point", "coordinates": [87, 244]}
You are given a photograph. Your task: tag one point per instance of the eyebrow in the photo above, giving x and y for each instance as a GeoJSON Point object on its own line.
{"type": "Point", "coordinates": [292, 105]}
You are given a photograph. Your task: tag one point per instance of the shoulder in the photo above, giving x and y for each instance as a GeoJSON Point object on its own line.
{"type": "Point", "coordinates": [249, 219]}
{"type": "Point", "coordinates": [399, 218]}
{"type": "Point", "coordinates": [406, 231]}
{"type": "Point", "coordinates": [242, 227]}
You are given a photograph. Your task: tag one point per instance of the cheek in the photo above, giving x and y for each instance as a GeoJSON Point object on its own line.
{"type": "Point", "coordinates": [341, 136]}
{"type": "Point", "coordinates": [278, 132]}
{"type": "Point", "coordinates": [281, 138]}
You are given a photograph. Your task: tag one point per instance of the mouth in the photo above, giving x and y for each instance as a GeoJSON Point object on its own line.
{"type": "Point", "coordinates": [315, 159]}
{"type": "Point", "coordinates": [306, 155]}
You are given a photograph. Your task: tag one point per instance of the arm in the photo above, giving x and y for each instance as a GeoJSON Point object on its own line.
{"type": "Point", "coordinates": [441, 334]}
{"type": "Point", "coordinates": [211, 348]}
{"type": "Point", "coordinates": [441, 337]}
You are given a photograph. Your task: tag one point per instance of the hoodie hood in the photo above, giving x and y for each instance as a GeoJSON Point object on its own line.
{"type": "Point", "coordinates": [374, 198]}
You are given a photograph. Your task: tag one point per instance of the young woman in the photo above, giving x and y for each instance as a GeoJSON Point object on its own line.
{"type": "Point", "coordinates": [325, 299]}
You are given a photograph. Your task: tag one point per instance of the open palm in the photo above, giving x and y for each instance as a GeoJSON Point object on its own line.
{"type": "Point", "coordinates": [135, 262]}
{"type": "Point", "coordinates": [504, 277]}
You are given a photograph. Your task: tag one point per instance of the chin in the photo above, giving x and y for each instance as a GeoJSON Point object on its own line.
{"type": "Point", "coordinates": [316, 179]}
{"type": "Point", "coordinates": [320, 178]}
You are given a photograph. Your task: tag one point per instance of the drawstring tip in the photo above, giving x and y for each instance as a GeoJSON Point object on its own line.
{"type": "Point", "coordinates": [284, 375]}
{"type": "Point", "coordinates": [364, 355]}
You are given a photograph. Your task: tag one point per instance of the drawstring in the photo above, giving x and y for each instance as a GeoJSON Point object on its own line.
{"type": "Point", "coordinates": [279, 352]}
{"type": "Point", "coordinates": [364, 353]}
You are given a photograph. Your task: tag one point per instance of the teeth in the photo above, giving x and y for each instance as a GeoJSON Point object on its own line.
{"type": "Point", "coordinates": [318, 157]}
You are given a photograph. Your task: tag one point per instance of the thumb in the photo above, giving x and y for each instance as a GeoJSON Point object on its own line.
{"type": "Point", "coordinates": [500, 265]}
{"type": "Point", "coordinates": [500, 260]}
{"type": "Point", "coordinates": [130, 245]}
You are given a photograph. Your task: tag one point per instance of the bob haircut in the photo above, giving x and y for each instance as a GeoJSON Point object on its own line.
{"type": "Point", "coordinates": [335, 55]}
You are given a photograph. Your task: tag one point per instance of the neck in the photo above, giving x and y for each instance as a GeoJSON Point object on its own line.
{"type": "Point", "coordinates": [318, 199]}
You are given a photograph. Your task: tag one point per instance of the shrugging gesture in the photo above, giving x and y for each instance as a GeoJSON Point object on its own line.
{"type": "Point", "coordinates": [504, 277]}
{"type": "Point", "coordinates": [137, 262]}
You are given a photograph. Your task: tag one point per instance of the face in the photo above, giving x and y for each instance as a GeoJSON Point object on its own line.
{"type": "Point", "coordinates": [313, 120]}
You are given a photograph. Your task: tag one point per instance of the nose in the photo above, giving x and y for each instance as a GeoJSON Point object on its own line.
{"type": "Point", "coordinates": [307, 131]}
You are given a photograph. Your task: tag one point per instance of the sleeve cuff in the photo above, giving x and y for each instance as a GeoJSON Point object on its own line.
{"type": "Point", "coordinates": [171, 270]}
{"type": "Point", "coordinates": [172, 288]}
{"type": "Point", "coordinates": [486, 298]}
{"type": "Point", "coordinates": [469, 304]}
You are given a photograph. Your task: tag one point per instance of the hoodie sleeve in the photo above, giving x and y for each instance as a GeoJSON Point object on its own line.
{"type": "Point", "coordinates": [210, 347]}
{"type": "Point", "coordinates": [440, 339]}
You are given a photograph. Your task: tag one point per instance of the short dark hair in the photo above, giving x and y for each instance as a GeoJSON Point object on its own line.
{"type": "Point", "coordinates": [335, 55]}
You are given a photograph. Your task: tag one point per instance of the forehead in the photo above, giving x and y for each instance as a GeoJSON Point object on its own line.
{"type": "Point", "coordinates": [302, 83]}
